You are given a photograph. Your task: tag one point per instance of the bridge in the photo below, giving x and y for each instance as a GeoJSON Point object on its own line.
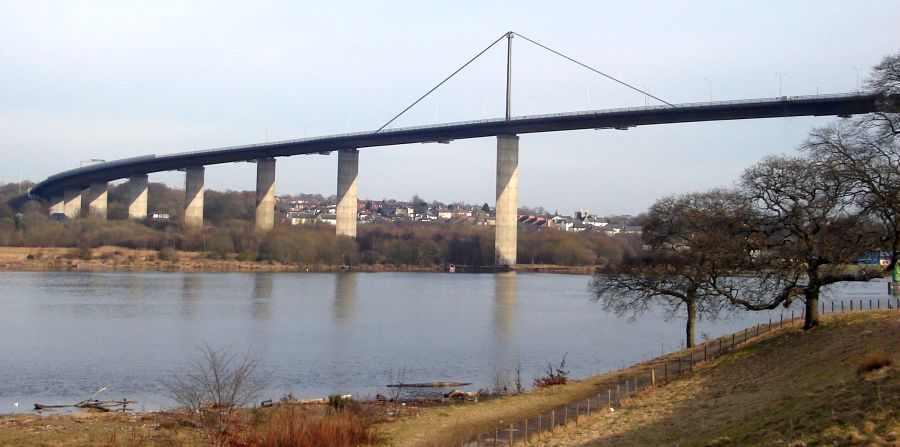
{"type": "Point", "coordinates": [65, 191]}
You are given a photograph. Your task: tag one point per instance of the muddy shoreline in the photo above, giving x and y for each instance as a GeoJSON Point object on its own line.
{"type": "Point", "coordinates": [113, 259]}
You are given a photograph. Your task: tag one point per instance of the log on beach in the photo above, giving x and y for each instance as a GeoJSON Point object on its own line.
{"type": "Point", "coordinates": [429, 385]}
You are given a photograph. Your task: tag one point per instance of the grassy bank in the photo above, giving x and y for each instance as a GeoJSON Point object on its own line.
{"type": "Point", "coordinates": [786, 388]}
{"type": "Point", "coordinates": [794, 388]}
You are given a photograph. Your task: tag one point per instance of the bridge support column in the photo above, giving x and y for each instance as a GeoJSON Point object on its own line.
{"type": "Point", "coordinates": [97, 200]}
{"type": "Point", "coordinates": [507, 200]}
{"type": "Point", "coordinates": [137, 196]}
{"type": "Point", "coordinates": [265, 193]}
{"type": "Point", "coordinates": [72, 203]}
{"type": "Point", "coordinates": [347, 191]}
{"type": "Point", "coordinates": [193, 196]}
{"type": "Point", "coordinates": [57, 206]}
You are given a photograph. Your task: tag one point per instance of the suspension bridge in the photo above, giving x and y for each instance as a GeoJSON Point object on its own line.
{"type": "Point", "coordinates": [65, 191]}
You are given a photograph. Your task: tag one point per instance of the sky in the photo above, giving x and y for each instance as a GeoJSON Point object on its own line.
{"type": "Point", "coordinates": [82, 80]}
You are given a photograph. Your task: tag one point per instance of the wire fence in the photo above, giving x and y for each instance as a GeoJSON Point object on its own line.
{"type": "Point", "coordinates": [660, 373]}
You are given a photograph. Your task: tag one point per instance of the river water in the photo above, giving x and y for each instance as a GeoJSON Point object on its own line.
{"type": "Point", "coordinates": [65, 335]}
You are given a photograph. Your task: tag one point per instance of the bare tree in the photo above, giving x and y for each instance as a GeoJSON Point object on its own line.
{"type": "Point", "coordinates": [214, 385]}
{"type": "Point", "coordinates": [865, 152]}
{"type": "Point", "coordinates": [690, 241]}
{"type": "Point", "coordinates": [808, 231]}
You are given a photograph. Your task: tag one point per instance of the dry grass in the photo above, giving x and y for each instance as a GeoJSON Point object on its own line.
{"type": "Point", "coordinates": [794, 388]}
{"type": "Point", "coordinates": [437, 426]}
{"type": "Point", "coordinates": [874, 361]}
{"type": "Point", "coordinates": [93, 429]}
{"type": "Point", "coordinates": [290, 426]}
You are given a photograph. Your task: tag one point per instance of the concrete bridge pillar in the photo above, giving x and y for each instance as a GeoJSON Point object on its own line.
{"type": "Point", "coordinates": [72, 203]}
{"type": "Point", "coordinates": [265, 193]}
{"type": "Point", "coordinates": [97, 200]}
{"type": "Point", "coordinates": [347, 191]}
{"type": "Point", "coordinates": [137, 196]}
{"type": "Point", "coordinates": [57, 205]}
{"type": "Point", "coordinates": [193, 196]}
{"type": "Point", "coordinates": [507, 200]}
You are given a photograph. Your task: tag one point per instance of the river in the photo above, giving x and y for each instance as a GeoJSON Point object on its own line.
{"type": "Point", "coordinates": [65, 335]}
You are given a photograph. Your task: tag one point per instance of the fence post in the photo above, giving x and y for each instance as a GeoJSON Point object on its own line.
{"type": "Point", "coordinates": [577, 409]}
{"type": "Point", "coordinates": [823, 307]}
{"type": "Point", "coordinates": [832, 307]}
{"type": "Point", "coordinates": [552, 420]}
{"type": "Point", "coordinates": [720, 347]}
{"type": "Point", "coordinates": [757, 329]}
{"type": "Point", "coordinates": [860, 305]}
{"type": "Point", "coordinates": [878, 304]}
{"type": "Point", "coordinates": [510, 436]}
{"type": "Point", "coordinates": [732, 340]}
{"type": "Point", "coordinates": [666, 371]}
{"type": "Point", "coordinates": [652, 377]}
{"type": "Point", "coordinates": [851, 305]}
{"type": "Point", "coordinates": [870, 303]}
{"type": "Point", "coordinates": [588, 409]}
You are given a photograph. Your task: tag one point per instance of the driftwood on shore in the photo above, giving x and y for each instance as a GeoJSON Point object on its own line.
{"type": "Point", "coordinates": [429, 385]}
{"type": "Point", "coordinates": [93, 404]}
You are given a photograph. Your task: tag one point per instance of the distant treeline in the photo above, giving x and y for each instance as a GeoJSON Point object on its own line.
{"type": "Point", "coordinates": [230, 234]}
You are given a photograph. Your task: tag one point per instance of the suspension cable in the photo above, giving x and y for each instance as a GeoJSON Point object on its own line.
{"type": "Point", "coordinates": [442, 82]}
{"type": "Point", "coordinates": [595, 70]}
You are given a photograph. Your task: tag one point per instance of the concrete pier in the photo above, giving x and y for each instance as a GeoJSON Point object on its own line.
{"type": "Point", "coordinates": [265, 193]}
{"type": "Point", "coordinates": [72, 203]}
{"type": "Point", "coordinates": [507, 199]}
{"type": "Point", "coordinates": [193, 196]}
{"type": "Point", "coordinates": [57, 205]}
{"type": "Point", "coordinates": [347, 191]}
{"type": "Point", "coordinates": [137, 196]}
{"type": "Point", "coordinates": [97, 200]}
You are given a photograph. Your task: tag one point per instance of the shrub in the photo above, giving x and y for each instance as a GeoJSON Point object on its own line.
{"type": "Point", "coordinates": [167, 254]}
{"type": "Point", "coordinates": [215, 385]}
{"type": "Point", "coordinates": [873, 361]}
{"type": "Point", "coordinates": [555, 375]}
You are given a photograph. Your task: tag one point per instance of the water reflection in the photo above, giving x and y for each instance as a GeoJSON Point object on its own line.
{"type": "Point", "coordinates": [506, 289]}
{"type": "Point", "coordinates": [345, 297]}
{"type": "Point", "coordinates": [191, 287]}
{"type": "Point", "coordinates": [261, 306]}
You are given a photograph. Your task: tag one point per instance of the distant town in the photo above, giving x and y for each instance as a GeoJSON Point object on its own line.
{"type": "Point", "coordinates": [313, 209]}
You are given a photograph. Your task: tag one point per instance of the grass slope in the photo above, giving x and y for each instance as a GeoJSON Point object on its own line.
{"type": "Point", "coordinates": [791, 388]}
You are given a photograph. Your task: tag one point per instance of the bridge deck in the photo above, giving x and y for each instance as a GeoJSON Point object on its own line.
{"type": "Point", "coordinates": [787, 106]}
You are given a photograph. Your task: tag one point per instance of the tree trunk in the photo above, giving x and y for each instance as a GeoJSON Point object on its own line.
{"type": "Point", "coordinates": [691, 321]}
{"type": "Point", "coordinates": [812, 309]}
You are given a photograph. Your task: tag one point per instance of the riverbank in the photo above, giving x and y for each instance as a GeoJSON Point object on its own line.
{"type": "Point", "coordinates": [110, 258]}
{"type": "Point", "coordinates": [835, 384]}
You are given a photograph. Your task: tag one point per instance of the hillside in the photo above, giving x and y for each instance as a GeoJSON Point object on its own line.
{"type": "Point", "coordinates": [791, 388]}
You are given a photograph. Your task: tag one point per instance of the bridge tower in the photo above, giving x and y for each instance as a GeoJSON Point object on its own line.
{"type": "Point", "coordinates": [97, 200]}
{"type": "Point", "coordinates": [137, 196]}
{"type": "Point", "coordinates": [193, 196]}
{"type": "Point", "coordinates": [265, 193]}
{"type": "Point", "coordinates": [505, 229]}
{"type": "Point", "coordinates": [347, 192]}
